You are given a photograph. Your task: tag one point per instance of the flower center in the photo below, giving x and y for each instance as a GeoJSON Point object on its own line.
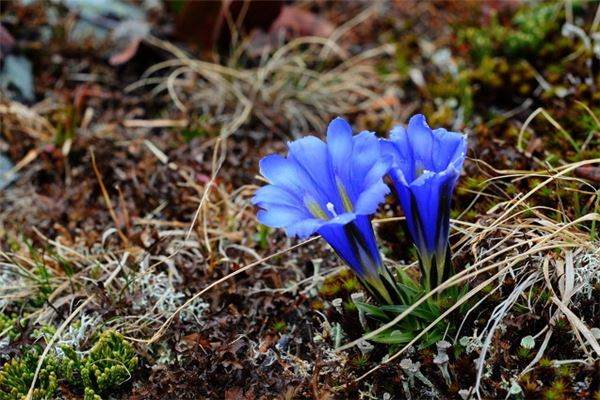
{"type": "Point", "coordinates": [420, 168]}
{"type": "Point", "coordinates": [331, 209]}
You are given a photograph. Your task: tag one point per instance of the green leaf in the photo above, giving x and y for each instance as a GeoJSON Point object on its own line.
{"type": "Point", "coordinates": [371, 310]}
{"type": "Point", "coordinates": [393, 337]}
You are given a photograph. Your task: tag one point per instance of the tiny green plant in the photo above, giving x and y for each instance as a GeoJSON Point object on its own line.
{"type": "Point", "coordinates": [17, 375]}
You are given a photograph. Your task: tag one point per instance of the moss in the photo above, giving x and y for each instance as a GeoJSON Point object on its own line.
{"type": "Point", "coordinates": [525, 35]}
{"type": "Point", "coordinates": [110, 362]}
{"type": "Point", "coordinates": [360, 362]}
{"type": "Point", "coordinates": [532, 26]}
{"type": "Point", "coordinates": [523, 353]}
{"type": "Point", "coordinates": [352, 285]}
{"type": "Point", "coordinates": [279, 326]}
{"type": "Point", "coordinates": [89, 394]}
{"type": "Point", "coordinates": [546, 363]}
{"type": "Point", "coordinates": [9, 326]}
{"type": "Point", "coordinates": [349, 306]}
{"type": "Point", "coordinates": [17, 374]}
{"type": "Point", "coordinates": [556, 391]}
{"type": "Point", "coordinates": [339, 285]}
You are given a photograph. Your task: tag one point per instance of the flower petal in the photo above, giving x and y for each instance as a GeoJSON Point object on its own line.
{"type": "Point", "coordinates": [279, 216]}
{"type": "Point", "coordinates": [339, 142]}
{"type": "Point", "coordinates": [432, 191]}
{"type": "Point", "coordinates": [275, 195]}
{"type": "Point", "coordinates": [399, 148]}
{"type": "Point", "coordinates": [448, 147]}
{"type": "Point", "coordinates": [304, 228]}
{"type": "Point", "coordinates": [420, 137]}
{"type": "Point", "coordinates": [280, 171]}
{"type": "Point", "coordinates": [311, 156]}
{"type": "Point", "coordinates": [370, 199]}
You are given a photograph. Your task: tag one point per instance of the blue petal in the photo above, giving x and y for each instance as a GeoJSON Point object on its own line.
{"type": "Point", "coordinates": [304, 228]}
{"type": "Point", "coordinates": [404, 196]}
{"type": "Point", "coordinates": [311, 156]}
{"type": "Point", "coordinates": [370, 199]}
{"type": "Point", "coordinates": [400, 149]}
{"type": "Point", "coordinates": [378, 170]}
{"type": "Point", "coordinates": [346, 245]}
{"type": "Point", "coordinates": [279, 216]}
{"type": "Point", "coordinates": [420, 137]}
{"type": "Point", "coordinates": [449, 147]}
{"type": "Point", "coordinates": [432, 190]}
{"type": "Point", "coordinates": [282, 172]}
{"type": "Point", "coordinates": [338, 239]}
{"type": "Point", "coordinates": [364, 226]}
{"type": "Point", "coordinates": [365, 154]}
{"type": "Point", "coordinates": [339, 143]}
{"type": "Point", "coordinates": [275, 195]}
{"type": "Point", "coordinates": [342, 219]}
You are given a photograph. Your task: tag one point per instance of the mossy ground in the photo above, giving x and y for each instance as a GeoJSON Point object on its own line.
{"type": "Point", "coordinates": [132, 196]}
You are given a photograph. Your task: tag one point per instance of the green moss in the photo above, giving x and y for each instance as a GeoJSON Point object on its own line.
{"type": "Point", "coordinates": [110, 362]}
{"type": "Point", "coordinates": [279, 326]}
{"type": "Point", "coordinates": [532, 25]}
{"type": "Point", "coordinates": [17, 374]}
{"type": "Point", "coordinates": [360, 362]}
{"type": "Point", "coordinates": [525, 35]}
{"type": "Point", "coordinates": [523, 353]}
{"type": "Point", "coordinates": [89, 394]}
{"type": "Point", "coordinates": [352, 285]}
{"type": "Point", "coordinates": [349, 306]}
{"type": "Point", "coordinates": [9, 326]}
{"type": "Point", "coordinates": [556, 391]}
{"type": "Point", "coordinates": [564, 371]}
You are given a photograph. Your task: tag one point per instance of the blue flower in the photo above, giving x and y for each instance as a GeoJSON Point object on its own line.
{"type": "Point", "coordinates": [426, 166]}
{"type": "Point", "coordinates": [331, 189]}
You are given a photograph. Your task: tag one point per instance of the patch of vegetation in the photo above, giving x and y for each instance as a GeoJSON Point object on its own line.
{"type": "Point", "coordinates": [17, 374]}
{"type": "Point", "coordinates": [109, 363]}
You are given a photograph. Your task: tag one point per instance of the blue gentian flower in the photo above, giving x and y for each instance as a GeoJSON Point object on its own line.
{"type": "Point", "coordinates": [426, 166]}
{"type": "Point", "coordinates": [331, 189]}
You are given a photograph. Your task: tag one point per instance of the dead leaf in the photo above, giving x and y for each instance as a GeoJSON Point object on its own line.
{"type": "Point", "coordinates": [589, 172]}
{"type": "Point", "coordinates": [296, 21]}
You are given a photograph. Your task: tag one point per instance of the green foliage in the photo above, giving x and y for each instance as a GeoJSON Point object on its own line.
{"type": "Point", "coordinates": [526, 33]}
{"type": "Point", "coordinates": [17, 374]}
{"type": "Point", "coordinates": [109, 362]}
{"type": "Point", "coordinates": [279, 326]}
{"type": "Point", "coordinates": [262, 236]}
{"type": "Point", "coordinates": [360, 362]}
{"type": "Point", "coordinates": [89, 394]}
{"type": "Point", "coordinates": [414, 323]}
{"type": "Point", "coordinates": [352, 285]}
{"type": "Point", "coordinates": [9, 326]}
{"type": "Point", "coordinates": [556, 391]}
{"type": "Point", "coordinates": [532, 26]}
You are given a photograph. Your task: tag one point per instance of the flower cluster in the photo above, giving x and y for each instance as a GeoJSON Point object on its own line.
{"type": "Point", "coordinates": [333, 188]}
